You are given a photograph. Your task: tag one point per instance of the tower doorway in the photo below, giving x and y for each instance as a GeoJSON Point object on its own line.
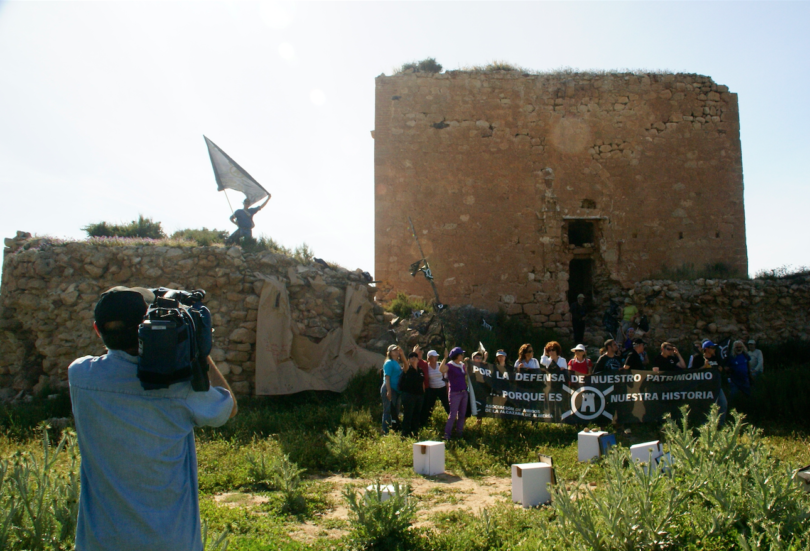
{"type": "Point", "coordinates": [580, 278]}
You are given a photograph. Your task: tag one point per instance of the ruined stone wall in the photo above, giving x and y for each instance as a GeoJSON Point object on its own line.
{"type": "Point", "coordinates": [771, 311]}
{"type": "Point", "coordinates": [681, 312]}
{"type": "Point", "coordinates": [494, 167]}
{"type": "Point", "coordinates": [49, 290]}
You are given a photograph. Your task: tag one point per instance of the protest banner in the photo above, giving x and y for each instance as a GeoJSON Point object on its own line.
{"type": "Point", "coordinates": [621, 396]}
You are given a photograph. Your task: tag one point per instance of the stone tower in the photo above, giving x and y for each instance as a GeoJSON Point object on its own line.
{"type": "Point", "coordinates": [526, 190]}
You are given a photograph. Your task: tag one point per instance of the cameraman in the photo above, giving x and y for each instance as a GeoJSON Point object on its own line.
{"type": "Point", "coordinates": [139, 463]}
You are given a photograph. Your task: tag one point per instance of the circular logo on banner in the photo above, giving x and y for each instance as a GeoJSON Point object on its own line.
{"type": "Point", "coordinates": [587, 402]}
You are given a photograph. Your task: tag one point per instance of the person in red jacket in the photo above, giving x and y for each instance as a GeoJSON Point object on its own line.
{"type": "Point", "coordinates": [580, 363]}
{"type": "Point", "coordinates": [421, 364]}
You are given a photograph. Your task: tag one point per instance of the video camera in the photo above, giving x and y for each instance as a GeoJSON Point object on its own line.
{"type": "Point", "coordinates": [174, 340]}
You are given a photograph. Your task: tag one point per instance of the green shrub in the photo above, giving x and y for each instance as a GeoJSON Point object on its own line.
{"type": "Point", "coordinates": [720, 481]}
{"type": "Point", "coordinates": [501, 66]}
{"type": "Point", "coordinates": [783, 272]}
{"type": "Point", "coordinates": [287, 479]}
{"type": "Point", "coordinates": [342, 446]}
{"type": "Point", "coordinates": [39, 503]}
{"type": "Point", "coordinates": [142, 227]}
{"type": "Point", "coordinates": [427, 65]}
{"type": "Point", "coordinates": [203, 237]}
{"type": "Point", "coordinates": [260, 468]}
{"type": "Point", "coordinates": [303, 254]}
{"type": "Point", "coordinates": [281, 474]}
{"type": "Point", "coordinates": [217, 543]}
{"type": "Point", "coordinates": [403, 306]}
{"type": "Point", "coordinates": [377, 523]}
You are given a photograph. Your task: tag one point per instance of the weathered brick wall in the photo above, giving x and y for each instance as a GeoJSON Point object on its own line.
{"type": "Point", "coordinates": [49, 290]}
{"type": "Point", "coordinates": [493, 167]}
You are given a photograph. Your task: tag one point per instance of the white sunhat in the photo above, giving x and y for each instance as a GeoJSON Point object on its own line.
{"type": "Point", "coordinates": [432, 353]}
{"type": "Point", "coordinates": [579, 347]}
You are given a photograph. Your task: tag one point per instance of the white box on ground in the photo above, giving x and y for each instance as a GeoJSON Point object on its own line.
{"type": "Point", "coordinates": [428, 458]}
{"type": "Point", "coordinates": [641, 452]}
{"type": "Point", "coordinates": [588, 445]}
{"type": "Point", "coordinates": [386, 491]}
{"type": "Point", "coordinates": [530, 483]}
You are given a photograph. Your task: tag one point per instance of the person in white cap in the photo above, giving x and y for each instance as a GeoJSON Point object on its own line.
{"type": "Point", "coordinates": [580, 363]}
{"type": "Point", "coordinates": [757, 362]}
{"type": "Point", "coordinates": [500, 360]}
{"type": "Point", "coordinates": [435, 388]}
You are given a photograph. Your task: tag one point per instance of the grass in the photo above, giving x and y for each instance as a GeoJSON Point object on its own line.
{"type": "Point", "coordinates": [142, 228]}
{"type": "Point", "coordinates": [427, 65]}
{"type": "Point", "coordinates": [188, 238]}
{"type": "Point", "coordinates": [309, 427]}
{"type": "Point", "coordinates": [404, 306]}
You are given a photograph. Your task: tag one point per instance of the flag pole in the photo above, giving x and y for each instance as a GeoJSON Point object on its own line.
{"type": "Point", "coordinates": [229, 201]}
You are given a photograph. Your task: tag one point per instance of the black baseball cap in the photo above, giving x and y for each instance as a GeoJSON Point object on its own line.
{"type": "Point", "coordinates": [638, 341]}
{"type": "Point", "coordinates": [124, 304]}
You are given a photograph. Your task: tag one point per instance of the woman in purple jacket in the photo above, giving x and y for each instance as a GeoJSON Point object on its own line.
{"type": "Point", "coordinates": [456, 372]}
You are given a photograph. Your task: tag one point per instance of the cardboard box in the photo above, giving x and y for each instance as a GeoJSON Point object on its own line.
{"type": "Point", "coordinates": [588, 445]}
{"type": "Point", "coordinates": [606, 441]}
{"type": "Point", "coordinates": [428, 458]}
{"type": "Point", "coordinates": [386, 490]}
{"type": "Point", "coordinates": [646, 452]}
{"type": "Point", "coordinates": [530, 483]}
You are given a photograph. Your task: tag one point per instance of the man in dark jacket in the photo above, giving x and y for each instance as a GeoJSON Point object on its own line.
{"type": "Point", "coordinates": [578, 312]}
{"type": "Point", "coordinates": [243, 218]}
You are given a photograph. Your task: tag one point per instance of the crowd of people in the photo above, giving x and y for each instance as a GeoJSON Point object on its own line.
{"type": "Point", "coordinates": [412, 385]}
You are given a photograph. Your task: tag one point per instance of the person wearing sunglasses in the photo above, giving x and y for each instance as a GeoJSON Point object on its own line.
{"type": "Point", "coordinates": [669, 359]}
{"type": "Point", "coordinates": [526, 359]}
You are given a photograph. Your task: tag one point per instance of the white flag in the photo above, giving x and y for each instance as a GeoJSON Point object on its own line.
{"type": "Point", "coordinates": [230, 175]}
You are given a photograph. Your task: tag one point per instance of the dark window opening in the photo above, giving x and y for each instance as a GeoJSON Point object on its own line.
{"type": "Point", "coordinates": [717, 235]}
{"type": "Point", "coordinates": [680, 235]}
{"type": "Point", "coordinates": [588, 204]}
{"type": "Point", "coordinates": [635, 235]}
{"type": "Point", "coordinates": [580, 232]}
{"type": "Point", "coordinates": [580, 278]}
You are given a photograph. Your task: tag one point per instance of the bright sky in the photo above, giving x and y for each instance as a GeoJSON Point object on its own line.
{"type": "Point", "coordinates": [103, 105]}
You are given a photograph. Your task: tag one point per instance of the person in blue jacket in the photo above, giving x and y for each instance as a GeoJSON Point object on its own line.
{"type": "Point", "coordinates": [739, 374]}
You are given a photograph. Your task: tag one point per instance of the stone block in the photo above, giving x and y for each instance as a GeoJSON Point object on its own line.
{"type": "Point", "coordinates": [513, 309]}
{"type": "Point", "coordinates": [531, 308]}
{"type": "Point", "coordinates": [243, 335]}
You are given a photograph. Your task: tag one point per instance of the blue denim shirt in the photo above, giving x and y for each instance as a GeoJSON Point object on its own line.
{"type": "Point", "coordinates": [139, 464]}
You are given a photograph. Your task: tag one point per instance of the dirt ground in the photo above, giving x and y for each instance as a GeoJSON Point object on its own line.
{"type": "Point", "coordinates": [445, 492]}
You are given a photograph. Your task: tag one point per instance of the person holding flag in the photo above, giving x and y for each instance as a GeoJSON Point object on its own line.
{"type": "Point", "coordinates": [243, 218]}
{"type": "Point", "coordinates": [230, 175]}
